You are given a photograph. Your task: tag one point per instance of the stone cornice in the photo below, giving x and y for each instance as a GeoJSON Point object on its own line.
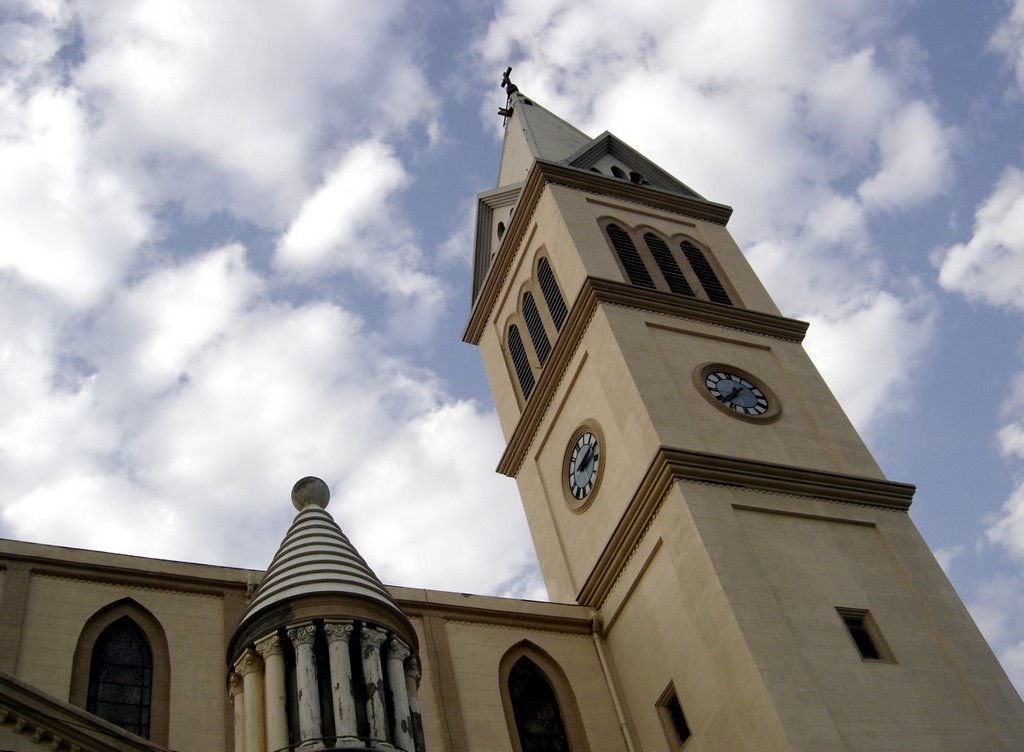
{"type": "Point", "coordinates": [595, 291]}
{"type": "Point", "coordinates": [671, 465]}
{"type": "Point", "coordinates": [540, 175]}
{"type": "Point", "coordinates": [541, 619]}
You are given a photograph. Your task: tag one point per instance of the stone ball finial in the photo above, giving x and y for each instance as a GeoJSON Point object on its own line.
{"type": "Point", "coordinates": [310, 490]}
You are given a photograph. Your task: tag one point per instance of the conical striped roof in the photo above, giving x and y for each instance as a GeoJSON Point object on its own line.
{"type": "Point", "coordinates": [316, 558]}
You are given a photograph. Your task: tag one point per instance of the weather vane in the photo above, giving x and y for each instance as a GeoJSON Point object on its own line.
{"type": "Point", "coordinates": [510, 89]}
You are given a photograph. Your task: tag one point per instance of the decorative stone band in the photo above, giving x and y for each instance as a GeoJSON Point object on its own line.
{"type": "Point", "coordinates": [541, 174]}
{"type": "Point", "coordinates": [596, 291]}
{"type": "Point", "coordinates": [670, 465]}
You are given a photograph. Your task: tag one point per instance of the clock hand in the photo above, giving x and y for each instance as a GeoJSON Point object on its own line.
{"type": "Point", "coordinates": [732, 395]}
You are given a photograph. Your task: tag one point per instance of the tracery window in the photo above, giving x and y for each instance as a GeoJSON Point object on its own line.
{"type": "Point", "coordinates": [552, 295]}
{"type": "Point", "coordinates": [121, 677]}
{"type": "Point", "coordinates": [534, 324]}
{"type": "Point", "coordinates": [668, 265]}
{"type": "Point", "coordinates": [702, 268]}
{"type": "Point", "coordinates": [537, 716]}
{"type": "Point", "coordinates": [520, 361]}
{"type": "Point", "coordinates": [629, 257]}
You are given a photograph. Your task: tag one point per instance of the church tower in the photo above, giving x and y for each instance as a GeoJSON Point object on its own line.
{"type": "Point", "coordinates": [686, 473]}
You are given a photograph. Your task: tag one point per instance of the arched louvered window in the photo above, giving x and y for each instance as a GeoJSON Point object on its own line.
{"type": "Point", "coordinates": [702, 268]}
{"type": "Point", "coordinates": [629, 257]}
{"type": "Point", "coordinates": [668, 265]}
{"type": "Point", "coordinates": [538, 719]}
{"type": "Point", "coordinates": [535, 326]}
{"type": "Point", "coordinates": [121, 677]}
{"type": "Point", "coordinates": [519, 360]}
{"type": "Point", "coordinates": [552, 295]}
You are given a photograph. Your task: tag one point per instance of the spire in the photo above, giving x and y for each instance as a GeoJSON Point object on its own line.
{"type": "Point", "coordinates": [531, 133]}
{"type": "Point", "coordinates": [316, 558]}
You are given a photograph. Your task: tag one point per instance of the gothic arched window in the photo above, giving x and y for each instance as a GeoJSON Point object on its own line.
{"type": "Point", "coordinates": [668, 265]}
{"type": "Point", "coordinates": [702, 268]}
{"type": "Point", "coordinates": [629, 257]}
{"type": "Point", "coordinates": [541, 344]}
{"type": "Point", "coordinates": [552, 295]}
{"type": "Point", "coordinates": [538, 719]}
{"type": "Point", "coordinates": [121, 677]}
{"type": "Point", "coordinates": [519, 360]}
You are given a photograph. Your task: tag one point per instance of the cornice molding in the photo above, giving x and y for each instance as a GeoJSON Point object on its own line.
{"type": "Point", "coordinates": [472, 614]}
{"type": "Point", "coordinates": [671, 464]}
{"type": "Point", "coordinates": [596, 291]}
{"type": "Point", "coordinates": [540, 175]}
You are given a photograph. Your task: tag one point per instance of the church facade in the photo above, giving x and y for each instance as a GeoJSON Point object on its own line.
{"type": "Point", "coordinates": [729, 568]}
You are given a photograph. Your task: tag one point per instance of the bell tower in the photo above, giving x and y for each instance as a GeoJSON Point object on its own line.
{"type": "Point", "coordinates": [687, 473]}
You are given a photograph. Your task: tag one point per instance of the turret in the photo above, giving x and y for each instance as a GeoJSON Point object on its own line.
{"type": "Point", "coordinates": [323, 657]}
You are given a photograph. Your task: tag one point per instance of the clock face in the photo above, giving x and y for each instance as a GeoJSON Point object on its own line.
{"type": "Point", "coordinates": [583, 465]}
{"type": "Point", "coordinates": [736, 392]}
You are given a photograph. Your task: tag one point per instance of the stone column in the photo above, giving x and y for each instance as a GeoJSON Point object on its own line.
{"type": "Point", "coordinates": [251, 668]}
{"type": "Point", "coordinates": [302, 636]}
{"type": "Point", "coordinates": [412, 685]}
{"type": "Point", "coordinates": [342, 698]}
{"type": "Point", "coordinates": [276, 713]}
{"type": "Point", "coordinates": [237, 704]}
{"type": "Point", "coordinates": [398, 651]}
{"type": "Point", "coordinates": [371, 638]}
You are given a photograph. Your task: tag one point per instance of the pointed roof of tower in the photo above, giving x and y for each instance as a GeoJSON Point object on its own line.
{"type": "Point", "coordinates": [316, 558]}
{"type": "Point", "coordinates": [534, 133]}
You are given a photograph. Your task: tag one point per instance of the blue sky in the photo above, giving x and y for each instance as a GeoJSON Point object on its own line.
{"type": "Point", "coordinates": [235, 242]}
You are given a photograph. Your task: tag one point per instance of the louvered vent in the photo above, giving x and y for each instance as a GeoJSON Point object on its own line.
{"type": "Point", "coordinates": [716, 293]}
{"type": "Point", "coordinates": [667, 264]}
{"type": "Point", "coordinates": [535, 326]}
{"type": "Point", "coordinates": [552, 295]}
{"type": "Point", "coordinates": [523, 371]}
{"type": "Point", "coordinates": [628, 256]}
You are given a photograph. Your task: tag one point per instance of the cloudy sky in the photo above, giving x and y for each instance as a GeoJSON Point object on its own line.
{"type": "Point", "coordinates": [235, 243]}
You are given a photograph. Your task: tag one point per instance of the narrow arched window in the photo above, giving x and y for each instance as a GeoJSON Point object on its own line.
{"type": "Point", "coordinates": [519, 360]}
{"type": "Point", "coordinates": [552, 295]}
{"type": "Point", "coordinates": [668, 265]}
{"type": "Point", "coordinates": [121, 677]}
{"type": "Point", "coordinates": [629, 257]}
{"type": "Point", "coordinates": [702, 268]}
{"type": "Point", "coordinates": [538, 719]}
{"type": "Point", "coordinates": [535, 326]}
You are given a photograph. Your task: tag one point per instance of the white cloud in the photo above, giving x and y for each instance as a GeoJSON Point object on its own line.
{"type": "Point", "coordinates": [915, 152]}
{"type": "Point", "coordinates": [998, 608]}
{"type": "Point", "coordinates": [352, 195]}
{"type": "Point", "coordinates": [990, 266]}
{"type": "Point", "coordinates": [230, 104]}
{"type": "Point", "coordinates": [1008, 39]}
{"type": "Point", "coordinates": [68, 223]}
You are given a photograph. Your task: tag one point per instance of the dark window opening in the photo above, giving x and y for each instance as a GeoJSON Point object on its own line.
{"type": "Point", "coordinates": [552, 295]}
{"type": "Point", "coordinates": [677, 730]}
{"type": "Point", "coordinates": [636, 177]}
{"type": "Point", "coordinates": [594, 169]}
{"type": "Point", "coordinates": [121, 677]}
{"type": "Point", "coordinates": [617, 172]}
{"type": "Point", "coordinates": [629, 257]}
{"type": "Point", "coordinates": [864, 634]}
{"type": "Point", "coordinates": [667, 264]}
{"type": "Point", "coordinates": [534, 324]}
{"type": "Point", "coordinates": [519, 360]}
{"type": "Point", "coordinates": [538, 719]}
{"type": "Point", "coordinates": [501, 230]}
{"type": "Point", "coordinates": [705, 274]}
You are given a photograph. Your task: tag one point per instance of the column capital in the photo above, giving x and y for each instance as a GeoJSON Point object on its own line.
{"type": "Point", "coordinates": [269, 645]}
{"type": "Point", "coordinates": [248, 663]}
{"type": "Point", "coordinates": [234, 685]}
{"type": "Point", "coordinates": [338, 630]}
{"type": "Point", "coordinates": [398, 649]}
{"type": "Point", "coordinates": [372, 637]}
{"type": "Point", "coordinates": [302, 634]}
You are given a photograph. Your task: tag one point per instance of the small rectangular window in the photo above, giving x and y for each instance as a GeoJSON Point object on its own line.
{"type": "Point", "coordinates": [865, 635]}
{"type": "Point", "coordinates": [677, 730]}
